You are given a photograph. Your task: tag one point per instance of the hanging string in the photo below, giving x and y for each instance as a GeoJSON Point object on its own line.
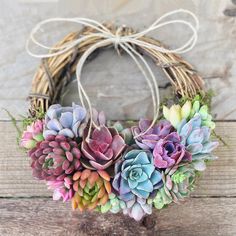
{"type": "Point", "coordinates": [125, 42]}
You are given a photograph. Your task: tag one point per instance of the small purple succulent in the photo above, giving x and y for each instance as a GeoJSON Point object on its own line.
{"type": "Point", "coordinates": [137, 208]}
{"type": "Point", "coordinates": [148, 141]}
{"type": "Point", "coordinates": [169, 151]}
{"type": "Point", "coordinates": [66, 121]}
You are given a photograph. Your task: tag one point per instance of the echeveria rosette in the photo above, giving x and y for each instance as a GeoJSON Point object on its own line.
{"type": "Point", "coordinates": [102, 149]}
{"type": "Point", "coordinates": [92, 189]}
{"type": "Point", "coordinates": [135, 175]}
{"type": "Point", "coordinates": [148, 140]}
{"type": "Point", "coordinates": [55, 158]}
{"type": "Point", "coordinates": [32, 135]}
{"type": "Point", "coordinates": [178, 184]}
{"type": "Point", "coordinates": [170, 151]}
{"type": "Point", "coordinates": [196, 138]}
{"type": "Point", "coordinates": [67, 121]}
{"type": "Point", "coordinates": [62, 189]}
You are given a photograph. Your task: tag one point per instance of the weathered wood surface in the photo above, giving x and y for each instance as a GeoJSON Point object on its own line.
{"type": "Point", "coordinates": [113, 81]}
{"type": "Point", "coordinates": [43, 217]}
{"type": "Point", "coordinates": [26, 207]}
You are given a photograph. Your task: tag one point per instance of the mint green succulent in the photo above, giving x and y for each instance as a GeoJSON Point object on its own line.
{"type": "Point", "coordinates": [203, 111]}
{"type": "Point", "coordinates": [178, 184]}
{"type": "Point", "coordinates": [114, 205]}
{"type": "Point", "coordinates": [126, 133]}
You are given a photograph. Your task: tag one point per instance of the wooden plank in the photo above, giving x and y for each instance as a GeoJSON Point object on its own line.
{"type": "Point", "coordinates": [107, 78]}
{"type": "Point", "coordinates": [210, 216]}
{"type": "Point", "coordinates": [16, 179]}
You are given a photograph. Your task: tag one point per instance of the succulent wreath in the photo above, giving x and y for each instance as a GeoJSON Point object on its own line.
{"type": "Point", "coordinates": [104, 166]}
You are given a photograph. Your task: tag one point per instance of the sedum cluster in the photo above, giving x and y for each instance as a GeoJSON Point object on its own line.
{"type": "Point", "coordinates": [117, 169]}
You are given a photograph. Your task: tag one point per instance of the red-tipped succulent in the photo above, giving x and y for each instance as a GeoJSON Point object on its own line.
{"type": "Point", "coordinates": [104, 147]}
{"type": "Point", "coordinates": [55, 158]}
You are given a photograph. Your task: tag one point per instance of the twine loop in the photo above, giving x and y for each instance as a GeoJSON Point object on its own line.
{"type": "Point", "coordinates": [124, 41]}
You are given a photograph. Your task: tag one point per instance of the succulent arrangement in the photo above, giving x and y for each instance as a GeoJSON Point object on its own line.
{"type": "Point", "coordinates": [117, 169]}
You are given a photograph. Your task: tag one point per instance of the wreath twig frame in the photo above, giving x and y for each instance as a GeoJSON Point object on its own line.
{"type": "Point", "coordinates": [54, 73]}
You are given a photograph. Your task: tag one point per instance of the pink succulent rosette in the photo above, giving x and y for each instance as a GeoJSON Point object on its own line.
{"type": "Point", "coordinates": [62, 189]}
{"type": "Point", "coordinates": [169, 151]}
{"type": "Point", "coordinates": [32, 135]}
{"type": "Point", "coordinates": [103, 148]}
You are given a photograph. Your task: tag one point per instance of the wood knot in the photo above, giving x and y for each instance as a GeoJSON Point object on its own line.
{"type": "Point", "coordinates": [148, 222]}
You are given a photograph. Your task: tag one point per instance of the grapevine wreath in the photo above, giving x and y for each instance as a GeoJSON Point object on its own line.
{"type": "Point", "coordinates": [104, 166]}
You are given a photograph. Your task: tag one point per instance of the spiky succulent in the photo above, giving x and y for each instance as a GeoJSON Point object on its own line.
{"type": "Point", "coordinates": [32, 135]}
{"type": "Point", "coordinates": [136, 175]}
{"type": "Point", "coordinates": [55, 158]}
{"type": "Point", "coordinates": [67, 121]}
{"type": "Point", "coordinates": [92, 189]}
{"type": "Point", "coordinates": [178, 184]}
{"type": "Point", "coordinates": [196, 138]}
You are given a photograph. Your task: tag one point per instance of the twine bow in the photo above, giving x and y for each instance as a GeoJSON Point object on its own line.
{"type": "Point", "coordinates": [122, 41]}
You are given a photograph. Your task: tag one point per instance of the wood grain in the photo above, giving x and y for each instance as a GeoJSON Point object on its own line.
{"type": "Point", "coordinates": [203, 217]}
{"type": "Point", "coordinates": [16, 179]}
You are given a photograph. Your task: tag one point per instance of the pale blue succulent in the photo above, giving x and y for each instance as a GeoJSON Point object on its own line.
{"type": "Point", "coordinates": [196, 138]}
{"type": "Point", "coordinates": [135, 175]}
{"type": "Point", "coordinates": [67, 121]}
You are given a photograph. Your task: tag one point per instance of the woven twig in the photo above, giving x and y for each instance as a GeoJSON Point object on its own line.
{"type": "Point", "coordinates": [54, 73]}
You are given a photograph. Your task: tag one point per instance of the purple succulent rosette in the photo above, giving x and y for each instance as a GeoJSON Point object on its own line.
{"type": "Point", "coordinates": [66, 121]}
{"type": "Point", "coordinates": [170, 151]}
{"type": "Point", "coordinates": [149, 139]}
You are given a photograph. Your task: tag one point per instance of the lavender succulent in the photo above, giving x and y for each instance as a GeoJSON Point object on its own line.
{"type": "Point", "coordinates": [67, 121]}
{"type": "Point", "coordinates": [137, 208]}
{"type": "Point", "coordinates": [196, 138]}
{"type": "Point", "coordinates": [169, 151]}
{"type": "Point", "coordinates": [157, 132]}
{"type": "Point", "coordinates": [136, 175]}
